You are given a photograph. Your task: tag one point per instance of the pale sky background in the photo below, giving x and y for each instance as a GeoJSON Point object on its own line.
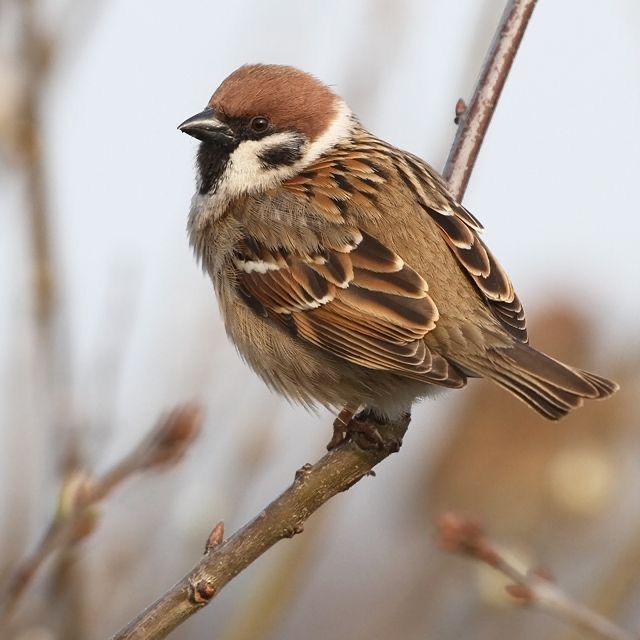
{"type": "Point", "coordinates": [554, 184]}
{"type": "Point", "coordinates": [555, 187]}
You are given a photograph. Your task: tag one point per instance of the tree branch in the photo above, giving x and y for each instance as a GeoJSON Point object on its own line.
{"type": "Point", "coordinates": [348, 463]}
{"type": "Point", "coordinates": [313, 485]}
{"type": "Point", "coordinates": [474, 119]}
{"type": "Point", "coordinates": [465, 537]}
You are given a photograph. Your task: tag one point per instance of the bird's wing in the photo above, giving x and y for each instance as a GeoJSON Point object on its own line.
{"type": "Point", "coordinates": [461, 232]}
{"type": "Point", "coordinates": [347, 294]}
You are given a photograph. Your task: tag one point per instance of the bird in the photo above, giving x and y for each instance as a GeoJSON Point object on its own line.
{"type": "Point", "coordinates": [346, 273]}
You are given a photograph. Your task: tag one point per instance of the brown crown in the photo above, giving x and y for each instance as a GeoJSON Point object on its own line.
{"type": "Point", "coordinates": [288, 97]}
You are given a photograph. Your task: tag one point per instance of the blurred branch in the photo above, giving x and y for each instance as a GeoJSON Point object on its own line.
{"type": "Point", "coordinates": [36, 41]}
{"type": "Point", "coordinates": [345, 465]}
{"type": "Point", "coordinates": [465, 537]}
{"type": "Point", "coordinates": [76, 516]}
{"type": "Point", "coordinates": [474, 119]}
{"type": "Point", "coordinates": [617, 582]}
{"type": "Point", "coordinates": [35, 56]}
{"type": "Point", "coordinates": [73, 25]}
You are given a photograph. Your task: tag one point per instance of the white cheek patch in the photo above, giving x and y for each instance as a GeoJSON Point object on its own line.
{"type": "Point", "coordinates": [247, 172]}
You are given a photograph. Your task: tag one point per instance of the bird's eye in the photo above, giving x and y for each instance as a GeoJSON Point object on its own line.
{"type": "Point", "coordinates": [259, 124]}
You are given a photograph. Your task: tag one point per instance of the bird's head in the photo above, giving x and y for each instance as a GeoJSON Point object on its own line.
{"type": "Point", "coordinates": [263, 125]}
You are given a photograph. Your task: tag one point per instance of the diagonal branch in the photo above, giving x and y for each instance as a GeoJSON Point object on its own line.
{"type": "Point", "coordinates": [474, 120]}
{"type": "Point", "coordinates": [345, 465]}
{"type": "Point", "coordinates": [313, 485]}
{"type": "Point", "coordinates": [465, 537]}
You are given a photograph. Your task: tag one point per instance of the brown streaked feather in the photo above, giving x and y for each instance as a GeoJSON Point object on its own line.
{"type": "Point", "coordinates": [445, 374]}
{"type": "Point", "coordinates": [278, 294]}
{"type": "Point", "coordinates": [350, 348]}
{"type": "Point", "coordinates": [469, 218]}
{"type": "Point", "coordinates": [373, 255]}
{"type": "Point", "coordinates": [418, 314]}
{"type": "Point", "coordinates": [337, 268]}
{"type": "Point", "coordinates": [374, 314]}
{"type": "Point", "coordinates": [388, 330]}
{"type": "Point", "coordinates": [352, 176]}
{"type": "Point", "coordinates": [358, 324]}
{"type": "Point", "coordinates": [311, 281]}
{"type": "Point", "coordinates": [411, 355]}
{"type": "Point", "coordinates": [457, 232]}
{"type": "Point", "coordinates": [460, 230]}
{"type": "Point", "coordinates": [405, 282]}
{"type": "Point", "coordinates": [537, 401]}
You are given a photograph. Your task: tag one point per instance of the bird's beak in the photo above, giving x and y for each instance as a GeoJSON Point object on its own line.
{"type": "Point", "coordinates": [206, 127]}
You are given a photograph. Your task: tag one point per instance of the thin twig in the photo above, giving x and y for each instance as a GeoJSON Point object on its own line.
{"type": "Point", "coordinates": [474, 119]}
{"type": "Point", "coordinates": [76, 516]}
{"type": "Point", "coordinates": [466, 537]}
{"type": "Point", "coordinates": [346, 464]}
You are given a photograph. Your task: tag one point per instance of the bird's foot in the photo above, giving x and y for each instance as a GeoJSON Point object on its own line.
{"type": "Point", "coordinates": [341, 427]}
{"type": "Point", "coordinates": [367, 431]}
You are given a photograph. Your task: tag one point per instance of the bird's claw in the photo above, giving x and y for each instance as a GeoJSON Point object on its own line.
{"type": "Point", "coordinates": [365, 431]}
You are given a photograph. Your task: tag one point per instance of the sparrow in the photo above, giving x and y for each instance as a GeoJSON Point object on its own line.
{"type": "Point", "coordinates": [346, 273]}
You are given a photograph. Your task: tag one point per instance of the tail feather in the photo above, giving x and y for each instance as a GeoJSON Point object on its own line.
{"type": "Point", "coordinates": [548, 386]}
{"type": "Point", "coordinates": [543, 404]}
{"type": "Point", "coordinates": [605, 387]}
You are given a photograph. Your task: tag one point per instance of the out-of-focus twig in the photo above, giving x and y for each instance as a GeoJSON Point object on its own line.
{"type": "Point", "coordinates": [343, 466]}
{"type": "Point", "coordinates": [76, 515]}
{"type": "Point", "coordinates": [617, 581]}
{"type": "Point", "coordinates": [466, 537]}
{"type": "Point", "coordinates": [474, 119]}
{"type": "Point", "coordinates": [35, 56]}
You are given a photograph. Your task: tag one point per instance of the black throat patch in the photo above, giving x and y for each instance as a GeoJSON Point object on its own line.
{"type": "Point", "coordinates": [212, 160]}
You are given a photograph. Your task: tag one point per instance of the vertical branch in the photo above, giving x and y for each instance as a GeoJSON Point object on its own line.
{"type": "Point", "coordinates": [474, 119]}
{"type": "Point", "coordinates": [34, 55]}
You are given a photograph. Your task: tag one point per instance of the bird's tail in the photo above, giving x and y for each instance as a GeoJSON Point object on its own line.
{"type": "Point", "coordinates": [548, 386]}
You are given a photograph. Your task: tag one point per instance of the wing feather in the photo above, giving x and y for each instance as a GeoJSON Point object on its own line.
{"type": "Point", "coordinates": [461, 232]}
{"type": "Point", "coordinates": [375, 314]}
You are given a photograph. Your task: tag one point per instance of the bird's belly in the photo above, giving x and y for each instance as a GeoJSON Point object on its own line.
{"type": "Point", "coordinates": [308, 375]}
{"type": "Point", "coordinates": [281, 361]}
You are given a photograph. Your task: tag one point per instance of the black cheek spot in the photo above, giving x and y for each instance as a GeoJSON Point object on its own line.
{"type": "Point", "coordinates": [283, 156]}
